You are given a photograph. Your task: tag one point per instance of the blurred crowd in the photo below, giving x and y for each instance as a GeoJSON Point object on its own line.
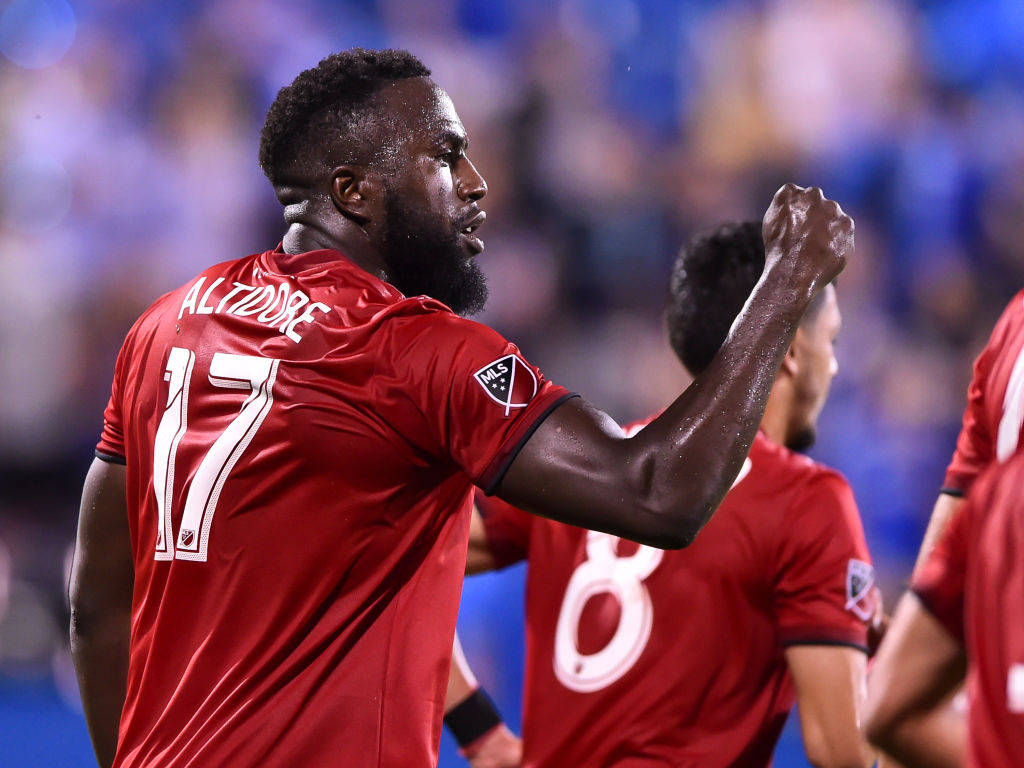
{"type": "Point", "coordinates": [608, 131]}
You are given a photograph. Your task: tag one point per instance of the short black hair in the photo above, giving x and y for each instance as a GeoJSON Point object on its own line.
{"type": "Point", "coordinates": [711, 281]}
{"type": "Point", "coordinates": [320, 107]}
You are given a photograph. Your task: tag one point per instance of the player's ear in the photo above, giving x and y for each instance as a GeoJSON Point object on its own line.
{"type": "Point", "coordinates": [353, 193]}
{"type": "Point", "coordinates": [790, 363]}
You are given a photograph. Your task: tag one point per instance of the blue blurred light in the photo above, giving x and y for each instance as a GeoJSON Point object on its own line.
{"type": "Point", "coordinates": [36, 33]}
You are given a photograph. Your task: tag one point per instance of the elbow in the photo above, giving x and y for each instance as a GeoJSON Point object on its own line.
{"type": "Point", "coordinates": [670, 517]}
{"type": "Point", "coordinates": [880, 726]}
{"type": "Point", "coordinates": [879, 731]}
{"type": "Point", "coordinates": [672, 527]}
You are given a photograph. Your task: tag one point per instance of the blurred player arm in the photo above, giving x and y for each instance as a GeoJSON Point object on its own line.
{"type": "Point", "coordinates": [480, 558]}
{"type": "Point", "coordinates": [946, 507]}
{"type": "Point", "coordinates": [909, 711]}
{"type": "Point", "coordinates": [484, 739]}
{"type": "Point", "coordinates": [101, 598]}
{"type": "Point", "coordinates": [830, 688]}
{"type": "Point", "coordinates": [661, 486]}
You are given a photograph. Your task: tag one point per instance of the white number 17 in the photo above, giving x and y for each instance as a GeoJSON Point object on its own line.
{"type": "Point", "coordinates": [255, 374]}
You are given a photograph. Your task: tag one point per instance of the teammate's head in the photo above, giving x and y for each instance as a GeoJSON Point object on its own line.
{"type": "Point", "coordinates": [711, 281]}
{"type": "Point", "coordinates": [365, 139]}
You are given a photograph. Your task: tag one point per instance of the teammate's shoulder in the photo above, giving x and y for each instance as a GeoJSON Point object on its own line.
{"type": "Point", "coordinates": [793, 468]}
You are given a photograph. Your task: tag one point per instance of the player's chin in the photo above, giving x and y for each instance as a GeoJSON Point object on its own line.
{"type": "Point", "coordinates": [803, 438]}
{"type": "Point", "coordinates": [471, 244]}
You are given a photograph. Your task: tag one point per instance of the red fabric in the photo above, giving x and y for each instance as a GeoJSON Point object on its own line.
{"type": "Point", "coordinates": [319, 629]}
{"type": "Point", "coordinates": [989, 402]}
{"type": "Point", "coordinates": [978, 568]}
{"type": "Point", "coordinates": [709, 686]}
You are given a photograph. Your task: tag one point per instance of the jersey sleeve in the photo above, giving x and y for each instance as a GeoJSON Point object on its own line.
{"type": "Point", "coordinates": [823, 589]}
{"type": "Point", "coordinates": [507, 529]}
{"type": "Point", "coordinates": [939, 582]}
{"type": "Point", "coordinates": [975, 444]}
{"type": "Point", "coordinates": [479, 397]}
{"type": "Point", "coordinates": [111, 444]}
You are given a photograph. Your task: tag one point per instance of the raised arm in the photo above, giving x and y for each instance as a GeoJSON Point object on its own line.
{"type": "Point", "coordinates": [101, 600]}
{"type": "Point", "coordinates": [661, 486]}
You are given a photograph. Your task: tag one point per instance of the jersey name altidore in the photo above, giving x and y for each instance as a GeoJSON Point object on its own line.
{"type": "Point", "coordinates": [508, 381]}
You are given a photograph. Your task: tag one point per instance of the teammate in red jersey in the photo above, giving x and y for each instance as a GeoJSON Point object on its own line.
{"type": "Point", "coordinates": [636, 656]}
{"type": "Point", "coordinates": [965, 611]}
{"type": "Point", "coordinates": [991, 433]}
{"type": "Point", "coordinates": [272, 538]}
{"type": "Point", "coordinates": [992, 421]}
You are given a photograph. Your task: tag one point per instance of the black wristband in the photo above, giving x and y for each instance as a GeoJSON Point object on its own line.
{"type": "Point", "coordinates": [472, 718]}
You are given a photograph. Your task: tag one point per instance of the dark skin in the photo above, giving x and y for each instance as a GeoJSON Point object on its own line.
{"type": "Point", "coordinates": [659, 487]}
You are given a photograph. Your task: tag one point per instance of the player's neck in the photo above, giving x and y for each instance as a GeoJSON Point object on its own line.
{"type": "Point", "coordinates": [302, 238]}
{"type": "Point", "coordinates": [776, 416]}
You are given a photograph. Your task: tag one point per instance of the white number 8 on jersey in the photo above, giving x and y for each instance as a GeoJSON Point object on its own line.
{"type": "Point", "coordinates": [622, 577]}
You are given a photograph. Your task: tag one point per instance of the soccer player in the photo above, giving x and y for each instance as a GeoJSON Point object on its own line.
{"type": "Point", "coordinates": [992, 421]}
{"type": "Point", "coordinates": [636, 656]}
{"type": "Point", "coordinates": [963, 617]}
{"type": "Point", "coordinates": [272, 539]}
{"type": "Point", "coordinates": [912, 715]}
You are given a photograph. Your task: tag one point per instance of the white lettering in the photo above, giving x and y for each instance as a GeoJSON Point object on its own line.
{"type": "Point", "coordinates": [234, 307]}
{"type": "Point", "coordinates": [231, 294]}
{"type": "Point", "coordinates": [272, 311]}
{"type": "Point", "coordinates": [190, 298]}
{"type": "Point", "coordinates": [202, 309]}
{"type": "Point", "coordinates": [265, 294]}
{"type": "Point", "coordinates": [279, 306]}
{"type": "Point", "coordinates": [305, 317]}
{"type": "Point", "coordinates": [295, 302]}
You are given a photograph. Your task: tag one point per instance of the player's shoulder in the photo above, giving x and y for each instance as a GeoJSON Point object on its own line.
{"type": "Point", "coordinates": [421, 319]}
{"type": "Point", "coordinates": [797, 477]}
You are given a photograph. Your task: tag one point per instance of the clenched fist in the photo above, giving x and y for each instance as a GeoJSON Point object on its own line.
{"type": "Point", "coordinates": [807, 237]}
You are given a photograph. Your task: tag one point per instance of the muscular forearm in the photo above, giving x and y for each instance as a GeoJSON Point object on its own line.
{"type": "Point", "coordinates": [662, 485]}
{"type": "Point", "coordinates": [689, 456]}
{"type": "Point", "coordinates": [99, 647]}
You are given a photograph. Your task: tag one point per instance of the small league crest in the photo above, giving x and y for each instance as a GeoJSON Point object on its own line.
{"type": "Point", "coordinates": [508, 381]}
{"type": "Point", "coordinates": [860, 578]}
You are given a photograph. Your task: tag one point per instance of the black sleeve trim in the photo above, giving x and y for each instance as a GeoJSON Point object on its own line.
{"type": "Point", "coordinates": [826, 641]}
{"type": "Point", "coordinates": [499, 475]}
{"type": "Point", "coordinates": [110, 458]}
{"type": "Point", "coordinates": [949, 491]}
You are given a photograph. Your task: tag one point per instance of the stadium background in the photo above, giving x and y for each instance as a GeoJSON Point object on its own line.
{"type": "Point", "coordinates": [607, 129]}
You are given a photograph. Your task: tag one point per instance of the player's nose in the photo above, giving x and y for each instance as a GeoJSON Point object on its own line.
{"type": "Point", "coordinates": [472, 185]}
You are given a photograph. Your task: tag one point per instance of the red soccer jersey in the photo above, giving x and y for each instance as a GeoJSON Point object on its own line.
{"type": "Point", "coordinates": [641, 657]}
{"type": "Point", "coordinates": [995, 402]}
{"type": "Point", "coordinates": [973, 582]}
{"type": "Point", "coordinates": [301, 441]}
